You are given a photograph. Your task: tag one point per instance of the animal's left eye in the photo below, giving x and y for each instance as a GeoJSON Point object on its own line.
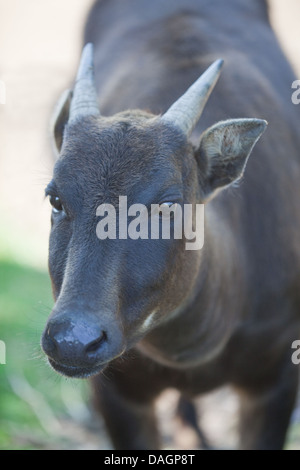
{"type": "Point", "coordinates": [56, 204]}
{"type": "Point", "coordinates": [168, 209]}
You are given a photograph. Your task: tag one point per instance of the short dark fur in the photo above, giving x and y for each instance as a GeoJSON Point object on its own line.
{"type": "Point", "coordinates": [239, 296]}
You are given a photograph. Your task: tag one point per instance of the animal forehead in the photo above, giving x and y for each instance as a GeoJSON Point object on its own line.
{"type": "Point", "coordinates": [118, 152]}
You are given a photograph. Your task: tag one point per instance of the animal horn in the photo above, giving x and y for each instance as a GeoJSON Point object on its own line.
{"type": "Point", "coordinates": [85, 100]}
{"type": "Point", "coordinates": [187, 110]}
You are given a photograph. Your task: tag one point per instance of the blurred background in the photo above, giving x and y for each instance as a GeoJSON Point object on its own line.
{"type": "Point", "coordinates": [40, 44]}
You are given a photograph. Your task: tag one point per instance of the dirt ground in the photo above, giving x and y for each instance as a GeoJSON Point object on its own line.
{"type": "Point", "coordinates": [40, 42]}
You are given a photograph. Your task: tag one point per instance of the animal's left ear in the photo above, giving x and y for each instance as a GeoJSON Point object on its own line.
{"type": "Point", "coordinates": [224, 151]}
{"type": "Point", "coordinates": [59, 120]}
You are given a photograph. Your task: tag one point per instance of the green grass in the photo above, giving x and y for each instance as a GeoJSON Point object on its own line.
{"type": "Point", "coordinates": [36, 404]}
{"type": "Point", "coordinates": [38, 408]}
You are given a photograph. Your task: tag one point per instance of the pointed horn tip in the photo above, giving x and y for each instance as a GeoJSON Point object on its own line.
{"type": "Point", "coordinates": [216, 67]}
{"type": "Point", "coordinates": [86, 60]}
{"type": "Point", "coordinates": [219, 63]}
{"type": "Point", "coordinates": [87, 53]}
{"type": "Point", "coordinates": [88, 48]}
{"type": "Point", "coordinates": [85, 101]}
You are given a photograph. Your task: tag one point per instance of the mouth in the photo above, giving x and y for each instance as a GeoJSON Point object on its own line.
{"type": "Point", "coordinates": [76, 372]}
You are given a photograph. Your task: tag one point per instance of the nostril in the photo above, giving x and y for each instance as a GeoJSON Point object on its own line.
{"type": "Point", "coordinates": [95, 345]}
{"type": "Point", "coordinates": [48, 343]}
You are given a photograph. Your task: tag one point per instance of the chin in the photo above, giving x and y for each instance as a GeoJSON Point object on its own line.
{"type": "Point", "coordinates": [76, 372]}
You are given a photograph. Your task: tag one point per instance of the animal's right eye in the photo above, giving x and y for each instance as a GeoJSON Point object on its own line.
{"type": "Point", "coordinates": [56, 204]}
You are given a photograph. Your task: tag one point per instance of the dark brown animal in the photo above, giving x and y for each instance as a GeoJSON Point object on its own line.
{"type": "Point", "coordinates": [149, 312]}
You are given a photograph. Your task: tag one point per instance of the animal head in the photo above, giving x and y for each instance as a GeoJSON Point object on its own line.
{"type": "Point", "coordinates": [110, 292]}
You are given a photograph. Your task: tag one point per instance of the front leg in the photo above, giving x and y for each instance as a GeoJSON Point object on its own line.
{"type": "Point", "coordinates": [265, 415]}
{"type": "Point", "coordinates": [124, 395]}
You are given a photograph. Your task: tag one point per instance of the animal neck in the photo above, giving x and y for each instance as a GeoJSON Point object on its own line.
{"type": "Point", "coordinates": [199, 329]}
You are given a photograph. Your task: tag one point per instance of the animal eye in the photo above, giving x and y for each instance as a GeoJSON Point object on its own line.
{"type": "Point", "coordinates": [168, 209]}
{"type": "Point", "coordinates": [56, 204]}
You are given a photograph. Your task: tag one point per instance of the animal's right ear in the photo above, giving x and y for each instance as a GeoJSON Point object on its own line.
{"type": "Point", "coordinates": [59, 120]}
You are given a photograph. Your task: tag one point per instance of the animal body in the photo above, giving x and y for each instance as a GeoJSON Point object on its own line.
{"type": "Point", "coordinates": [151, 314]}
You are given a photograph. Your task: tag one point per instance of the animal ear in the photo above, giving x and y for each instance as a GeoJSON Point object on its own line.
{"type": "Point", "coordinates": [224, 151]}
{"type": "Point", "coordinates": [59, 120]}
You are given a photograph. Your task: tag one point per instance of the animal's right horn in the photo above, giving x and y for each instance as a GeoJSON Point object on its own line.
{"type": "Point", "coordinates": [85, 100]}
{"type": "Point", "coordinates": [187, 110]}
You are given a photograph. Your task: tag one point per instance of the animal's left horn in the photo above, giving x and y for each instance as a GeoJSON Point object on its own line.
{"type": "Point", "coordinates": [85, 100]}
{"type": "Point", "coordinates": [187, 110]}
